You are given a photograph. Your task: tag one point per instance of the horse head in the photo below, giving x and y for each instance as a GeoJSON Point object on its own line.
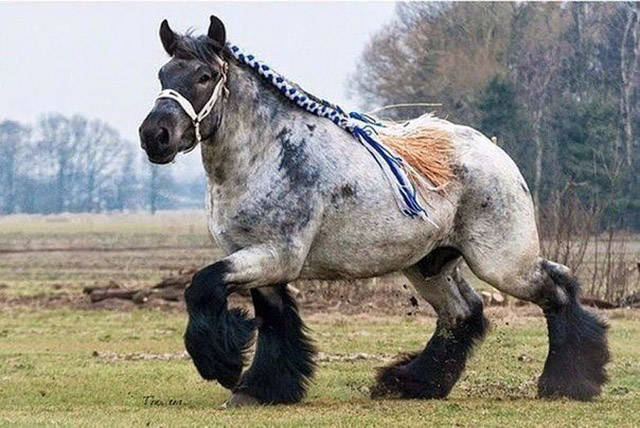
{"type": "Point", "coordinates": [188, 109]}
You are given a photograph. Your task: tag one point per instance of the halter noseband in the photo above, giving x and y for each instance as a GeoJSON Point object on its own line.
{"type": "Point", "coordinates": [196, 118]}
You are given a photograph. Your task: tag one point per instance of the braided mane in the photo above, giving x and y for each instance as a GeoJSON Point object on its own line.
{"type": "Point", "coordinates": [406, 158]}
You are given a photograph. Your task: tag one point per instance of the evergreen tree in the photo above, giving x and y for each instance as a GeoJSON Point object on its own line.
{"type": "Point", "coordinates": [499, 115]}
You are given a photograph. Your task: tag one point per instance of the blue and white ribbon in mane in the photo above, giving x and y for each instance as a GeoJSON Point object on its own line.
{"type": "Point", "coordinates": [361, 126]}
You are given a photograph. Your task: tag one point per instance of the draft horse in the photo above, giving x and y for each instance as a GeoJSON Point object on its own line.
{"type": "Point", "coordinates": [293, 196]}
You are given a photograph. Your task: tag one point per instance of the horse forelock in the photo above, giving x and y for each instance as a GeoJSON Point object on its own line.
{"type": "Point", "coordinates": [203, 48]}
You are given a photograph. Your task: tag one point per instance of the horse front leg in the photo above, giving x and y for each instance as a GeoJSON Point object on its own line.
{"type": "Point", "coordinates": [283, 363]}
{"type": "Point", "coordinates": [218, 338]}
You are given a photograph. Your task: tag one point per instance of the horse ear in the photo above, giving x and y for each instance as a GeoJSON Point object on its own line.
{"type": "Point", "coordinates": [217, 32]}
{"type": "Point", "coordinates": [168, 37]}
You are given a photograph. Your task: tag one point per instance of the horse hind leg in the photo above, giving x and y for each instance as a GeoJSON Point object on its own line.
{"type": "Point", "coordinates": [578, 351]}
{"type": "Point", "coordinates": [433, 372]}
{"type": "Point", "coordinates": [283, 362]}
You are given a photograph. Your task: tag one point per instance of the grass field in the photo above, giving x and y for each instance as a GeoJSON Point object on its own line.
{"type": "Point", "coordinates": [63, 362]}
{"type": "Point", "coordinates": [49, 374]}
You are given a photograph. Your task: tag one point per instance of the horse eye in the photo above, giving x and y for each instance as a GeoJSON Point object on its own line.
{"type": "Point", "coordinates": [204, 79]}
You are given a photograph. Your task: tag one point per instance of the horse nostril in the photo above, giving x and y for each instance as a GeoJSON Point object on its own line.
{"type": "Point", "coordinates": [162, 137]}
{"type": "Point", "coordinates": [154, 139]}
{"type": "Point", "coordinates": [147, 137]}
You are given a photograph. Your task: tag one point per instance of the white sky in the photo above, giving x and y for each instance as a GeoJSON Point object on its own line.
{"type": "Point", "coordinates": [101, 59]}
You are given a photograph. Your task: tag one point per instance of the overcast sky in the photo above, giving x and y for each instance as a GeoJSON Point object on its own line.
{"type": "Point", "coordinates": [101, 59]}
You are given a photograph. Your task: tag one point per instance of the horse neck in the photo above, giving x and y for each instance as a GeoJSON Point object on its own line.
{"type": "Point", "coordinates": [250, 122]}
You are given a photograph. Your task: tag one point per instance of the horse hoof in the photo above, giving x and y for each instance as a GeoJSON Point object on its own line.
{"type": "Point", "coordinates": [239, 399]}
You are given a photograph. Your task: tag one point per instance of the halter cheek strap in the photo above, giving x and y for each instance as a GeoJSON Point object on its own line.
{"type": "Point", "coordinates": [196, 118]}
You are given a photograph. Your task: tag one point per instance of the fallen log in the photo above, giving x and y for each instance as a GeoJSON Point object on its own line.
{"type": "Point", "coordinates": [97, 295]}
{"type": "Point", "coordinates": [170, 289]}
{"type": "Point", "coordinates": [180, 281]}
{"type": "Point", "coordinates": [90, 289]}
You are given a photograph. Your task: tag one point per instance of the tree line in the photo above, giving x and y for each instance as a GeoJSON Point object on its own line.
{"type": "Point", "coordinates": [73, 164]}
{"type": "Point", "coordinates": [555, 83]}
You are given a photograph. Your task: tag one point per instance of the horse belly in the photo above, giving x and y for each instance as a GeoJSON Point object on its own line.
{"type": "Point", "coordinates": [369, 241]}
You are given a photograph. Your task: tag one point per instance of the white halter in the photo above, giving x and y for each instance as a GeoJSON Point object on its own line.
{"type": "Point", "coordinates": [196, 118]}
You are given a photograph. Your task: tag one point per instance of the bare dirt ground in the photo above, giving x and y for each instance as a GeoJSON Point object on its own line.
{"type": "Point", "coordinates": [47, 262]}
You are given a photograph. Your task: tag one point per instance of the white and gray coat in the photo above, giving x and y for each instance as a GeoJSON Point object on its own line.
{"type": "Point", "coordinates": [292, 196]}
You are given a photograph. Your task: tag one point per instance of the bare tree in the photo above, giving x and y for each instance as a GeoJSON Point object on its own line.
{"type": "Point", "coordinates": [569, 228]}
{"type": "Point", "coordinates": [629, 55]}
{"type": "Point", "coordinates": [104, 154]}
{"type": "Point", "coordinates": [126, 183]}
{"type": "Point", "coordinates": [541, 52]}
{"type": "Point", "coordinates": [57, 148]}
{"type": "Point", "coordinates": [434, 52]}
{"type": "Point", "coordinates": [85, 157]}
{"type": "Point", "coordinates": [14, 139]}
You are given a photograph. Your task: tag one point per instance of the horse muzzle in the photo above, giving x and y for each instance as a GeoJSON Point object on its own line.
{"type": "Point", "coordinates": [161, 136]}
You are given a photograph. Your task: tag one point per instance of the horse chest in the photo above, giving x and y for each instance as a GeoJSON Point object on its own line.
{"type": "Point", "coordinates": [258, 212]}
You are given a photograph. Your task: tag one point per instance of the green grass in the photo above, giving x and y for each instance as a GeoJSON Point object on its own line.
{"type": "Point", "coordinates": [49, 375]}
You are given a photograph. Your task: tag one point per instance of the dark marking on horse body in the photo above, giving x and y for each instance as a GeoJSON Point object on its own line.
{"type": "Point", "coordinates": [348, 191]}
{"type": "Point", "coordinates": [283, 133]}
{"type": "Point", "coordinates": [460, 171]}
{"type": "Point", "coordinates": [485, 204]}
{"type": "Point", "coordinates": [289, 203]}
{"type": "Point", "coordinates": [219, 174]}
{"type": "Point", "coordinates": [524, 187]}
{"type": "Point", "coordinates": [244, 229]}
{"type": "Point", "coordinates": [311, 127]}
{"type": "Point", "coordinates": [345, 192]}
{"type": "Point", "coordinates": [294, 160]}
{"type": "Point", "coordinates": [297, 218]}
{"type": "Point", "coordinates": [219, 171]}
{"type": "Point", "coordinates": [246, 220]}
{"type": "Point", "coordinates": [290, 211]}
